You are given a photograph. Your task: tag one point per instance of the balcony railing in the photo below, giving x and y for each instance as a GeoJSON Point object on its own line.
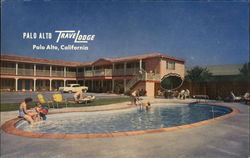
{"type": "Point", "coordinates": [22, 71]}
{"type": "Point", "coordinates": [100, 72]}
{"type": "Point", "coordinates": [57, 73]}
{"type": "Point", "coordinates": [42, 72]}
{"type": "Point", "coordinates": [8, 70]}
{"type": "Point", "coordinates": [153, 76]}
{"type": "Point", "coordinates": [88, 73]}
{"type": "Point", "coordinates": [108, 72]}
{"type": "Point", "coordinates": [132, 71]}
{"type": "Point", "coordinates": [70, 74]}
{"type": "Point", "coordinates": [80, 74]}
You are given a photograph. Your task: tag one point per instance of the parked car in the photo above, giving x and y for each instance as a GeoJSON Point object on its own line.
{"type": "Point", "coordinates": [71, 88]}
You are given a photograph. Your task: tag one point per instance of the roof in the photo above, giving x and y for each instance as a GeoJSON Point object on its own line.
{"type": "Point", "coordinates": [38, 60]}
{"type": "Point", "coordinates": [223, 70]}
{"type": "Point", "coordinates": [103, 60]}
{"type": "Point", "coordinates": [146, 56]}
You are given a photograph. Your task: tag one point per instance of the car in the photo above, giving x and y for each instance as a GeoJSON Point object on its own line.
{"type": "Point", "coordinates": [71, 88]}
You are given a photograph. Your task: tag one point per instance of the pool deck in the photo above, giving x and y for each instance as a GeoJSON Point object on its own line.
{"type": "Point", "coordinates": [228, 138]}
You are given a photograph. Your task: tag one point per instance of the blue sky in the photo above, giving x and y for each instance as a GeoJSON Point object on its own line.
{"type": "Point", "coordinates": [203, 33]}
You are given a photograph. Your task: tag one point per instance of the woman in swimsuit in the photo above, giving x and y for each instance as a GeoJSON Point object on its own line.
{"type": "Point", "coordinates": [24, 113]}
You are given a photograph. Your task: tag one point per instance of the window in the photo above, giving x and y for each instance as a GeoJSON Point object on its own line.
{"type": "Point", "coordinates": [170, 65]}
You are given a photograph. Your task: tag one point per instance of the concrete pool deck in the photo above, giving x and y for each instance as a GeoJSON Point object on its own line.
{"type": "Point", "coordinates": [224, 138]}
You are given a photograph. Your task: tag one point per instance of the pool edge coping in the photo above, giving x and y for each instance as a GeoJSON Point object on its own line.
{"type": "Point", "coordinates": [10, 126]}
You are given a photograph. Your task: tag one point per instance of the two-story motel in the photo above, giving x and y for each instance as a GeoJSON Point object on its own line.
{"type": "Point", "coordinates": [103, 75]}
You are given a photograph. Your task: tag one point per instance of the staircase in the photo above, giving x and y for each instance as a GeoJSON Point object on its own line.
{"type": "Point", "coordinates": [141, 76]}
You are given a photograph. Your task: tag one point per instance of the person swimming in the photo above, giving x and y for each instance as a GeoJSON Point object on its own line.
{"type": "Point", "coordinates": [43, 112]}
{"type": "Point", "coordinates": [146, 105]}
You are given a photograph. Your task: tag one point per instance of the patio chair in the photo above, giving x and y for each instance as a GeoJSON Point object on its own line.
{"type": "Point", "coordinates": [58, 98]}
{"type": "Point", "coordinates": [235, 98]}
{"type": "Point", "coordinates": [42, 100]}
{"type": "Point", "coordinates": [246, 98]}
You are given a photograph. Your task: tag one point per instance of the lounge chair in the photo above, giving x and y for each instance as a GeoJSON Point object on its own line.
{"type": "Point", "coordinates": [58, 98]}
{"type": "Point", "coordinates": [235, 98]}
{"type": "Point", "coordinates": [42, 100]}
{"type": "Point", "coordinates": [84, 100]}
{"type": "Point", "coordinates": [91, 98]}
{"type": "Point", "coordinates": [246, 98]}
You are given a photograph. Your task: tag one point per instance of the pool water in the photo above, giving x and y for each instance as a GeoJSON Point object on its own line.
{"type": "Point", "coordinates": [133, 119]}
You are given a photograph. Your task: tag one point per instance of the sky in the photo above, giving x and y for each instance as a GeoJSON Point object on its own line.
{"type": "Point", "coordinates": [202, 33]}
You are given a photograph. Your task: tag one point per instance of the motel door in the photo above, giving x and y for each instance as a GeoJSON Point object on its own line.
{"type": "Point", "coordinates": [27, 84]}
{"type": "Point", "coordinates": [19, 85]}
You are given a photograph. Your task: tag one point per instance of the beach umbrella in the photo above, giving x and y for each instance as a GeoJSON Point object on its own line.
{"type": "Point", "coordinates": [171, 81]}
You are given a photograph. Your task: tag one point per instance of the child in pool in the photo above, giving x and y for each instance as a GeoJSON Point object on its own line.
{"type": "Point", "coordinates": [41, 111]}
{"type": "Point", "coordinates": [146, 105]}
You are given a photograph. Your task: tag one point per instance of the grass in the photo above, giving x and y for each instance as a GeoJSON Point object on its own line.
{"type": "Point", "coordinates": [97, 102]}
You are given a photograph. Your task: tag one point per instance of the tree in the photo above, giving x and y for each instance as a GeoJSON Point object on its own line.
{"type": "Point", "coordinates": [198, 74]}
{"type": "Point", "coordinates": [245, 70]}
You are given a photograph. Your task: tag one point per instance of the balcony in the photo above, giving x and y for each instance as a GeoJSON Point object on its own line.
{"type": "Point", "coordinates": [8, 70]}
{"type": "Point", "coordinates": [57, 73]}
{"type": "Point", "coordinates": [70, 74]}
{"type": "Point", "coordinates": [80, 74]}
{"type": "Point", "coordinates": [88, 73]}
{"type": "Point", "coordinates": [22, 71]}
{"type": "Point", "coordinates": [132, 71]}
{"type": "Point", "coordinates": [42, 73]}
{"type": "Point", "coordinates": [153, 76]}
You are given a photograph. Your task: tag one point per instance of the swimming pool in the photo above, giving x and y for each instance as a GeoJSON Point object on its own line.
{"type": "Point", "coordinates": [162, 115]}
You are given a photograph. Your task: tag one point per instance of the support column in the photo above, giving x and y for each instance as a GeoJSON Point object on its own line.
{"type": "Point", "coordinates": [77, 72]}
{"type": "Point", "coordinates": [102, 83]}
{"type": "Point", "coordinates": [113, 85]}
{"type": "Point", "coordinates": [84, 69]}
{"type": "Point", "coordinates": [64, 72]}
{"type": "Point", "coordinates": [92, 85]}
{"type": "Point", "coordinates": [34, 69]}
{"type": "Point", "coordinates": [64, 83]}
{"type": "Point", "coordinates": [50, 70]}
{"type": "Point", "coordinates": [125, 69]}
{"type": "Point", "coordinates": [16, 68]}
{"type": "Point", "coordinates": [125, 85]}
{"type": "Point", "coordinates": [140, 63]}
{"type": "Point", "coordinates": [34, 86]}
{"type": "Point", "coordinates": [50, 85]}
{"type": "Point", "coordinates": [92, 69]}
{"type": "Point", "coordinates": [16, 86]}
{"type": "Point", "coordinates": [83, 82]}
{"type": "Point", "coordinates": [113, 69]}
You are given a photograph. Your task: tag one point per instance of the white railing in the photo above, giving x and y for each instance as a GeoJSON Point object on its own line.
{"type": "Point", "coordinates": [57, 73]}
{"type": "Point", "coordinates": [42, 73]}
{"type": "Point", "coordinates": [88, 73]}
{"type": "Point", "coordinates": [70, 74]}
{"type": "Point", "coordinates": [100, 72]}
{"type": "Point", "coordinates": [22, 71]}
{"type": "Point", "coordinates": [8, 70]}
{"type": "Point", "coordinates": [108, 72]}
{"type": "Point", "coordinates": [153, 76]}
{"type": "Point", "coordinates": [80, 74]}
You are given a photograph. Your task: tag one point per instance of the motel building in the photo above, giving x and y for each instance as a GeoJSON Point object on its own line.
{"type": "Point", "coordinates": [20, 73]}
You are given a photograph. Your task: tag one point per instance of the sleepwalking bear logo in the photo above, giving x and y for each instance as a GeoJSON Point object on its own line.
{"type": "Point", "coordinates": [75, 35]}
